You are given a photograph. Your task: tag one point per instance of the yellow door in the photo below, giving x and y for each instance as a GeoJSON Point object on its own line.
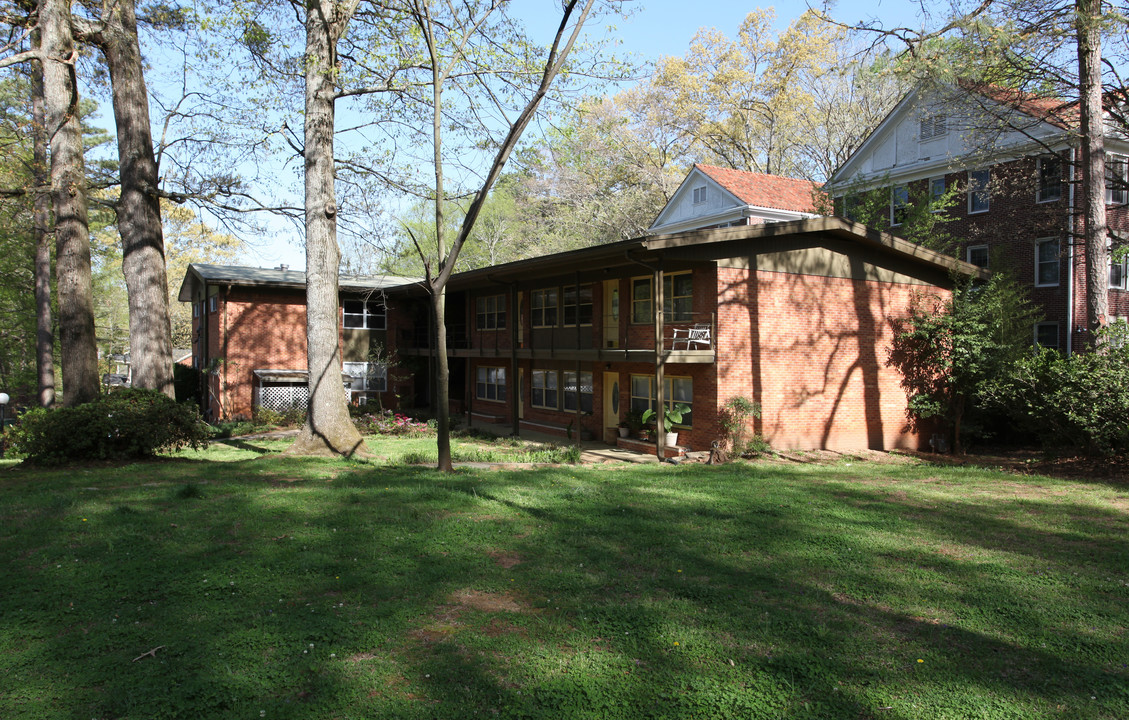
{"type": "Point", "coordinates": [611, 401]}
{"type": "Point", "coordinates": [611, 313]}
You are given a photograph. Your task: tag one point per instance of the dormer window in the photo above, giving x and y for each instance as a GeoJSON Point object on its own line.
{"type": "Point", "coordinates": [933, 126]}
{"type": "Point", "coordinates": [699, 195]}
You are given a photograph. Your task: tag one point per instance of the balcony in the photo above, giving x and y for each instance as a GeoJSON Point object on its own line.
{"type": "Point", "coordinates": [691, 338]}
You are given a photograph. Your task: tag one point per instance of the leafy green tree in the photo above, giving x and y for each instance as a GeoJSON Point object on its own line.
{"type": "Point", "coordinates": [949, 347]}
{"type": "Point", "coordinates": [921, 216]}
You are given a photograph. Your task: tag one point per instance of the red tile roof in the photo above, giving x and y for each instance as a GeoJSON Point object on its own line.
{"type": "Point", "coordinates": [770, 191]}
{"type": "Point", "coordinates": [1055, 111]}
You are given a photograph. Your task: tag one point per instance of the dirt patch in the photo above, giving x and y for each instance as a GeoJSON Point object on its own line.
{"type": "Point", "coordinates": [505, 559]}
{"type": "Point", "coordinates": [488, 602]}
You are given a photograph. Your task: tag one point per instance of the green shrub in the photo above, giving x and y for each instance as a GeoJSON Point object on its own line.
{"type": "Point", "coordinates": [290, 417]}
{"type": "Point", "coordinates": [1079, 402]}
{"type": "Point", "coordinates": [128, 423]}
{"type": "Point", "coordinates": [734, 418]}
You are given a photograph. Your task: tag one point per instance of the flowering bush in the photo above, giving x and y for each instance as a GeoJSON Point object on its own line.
{"type": "Point", "coordinates": [387, 422]}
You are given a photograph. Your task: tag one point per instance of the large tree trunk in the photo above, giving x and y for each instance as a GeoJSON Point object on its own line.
{"type": "Point", "coordinates": [1093, 163]}
{"type": "Point", "coordinates": [442, 380]}
{"type": "Point", "coordinates": [68, 186]}
{"type": "Point", "coordinates": [328, 429]}
{"type": "Point", "coordinates": [139, 209]}
{"type": "Point", "coordinates": [41, 224]}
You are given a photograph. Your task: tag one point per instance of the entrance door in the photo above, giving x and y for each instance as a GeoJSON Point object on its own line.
{"type": "Point", "coordinates": [520, 393]}
{"type": "Point", "coordinates": [611, 402]}
{"type": "Point", "coordinates": [611, 313]}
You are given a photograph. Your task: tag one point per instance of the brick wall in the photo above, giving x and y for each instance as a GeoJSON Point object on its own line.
{"type": "Point", "coordinates": [1012, 224]}
{"type": "Point", "coordinates": [813, 351]}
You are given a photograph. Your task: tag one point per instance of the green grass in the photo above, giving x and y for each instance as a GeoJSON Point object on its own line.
{"type": "Point", "coordinates": [301, 588]}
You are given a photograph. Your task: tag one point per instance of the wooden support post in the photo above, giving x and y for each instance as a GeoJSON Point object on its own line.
{"type": "Point", "coordinates": [515, 396]}
{"type": "Point", "coordinates": [660, 395]}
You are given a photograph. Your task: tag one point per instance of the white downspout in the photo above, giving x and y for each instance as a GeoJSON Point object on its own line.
{"type": "Point", "coordinates": [1070, 265]}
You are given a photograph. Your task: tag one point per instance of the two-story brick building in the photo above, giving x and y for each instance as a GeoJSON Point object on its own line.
{"type": "Point", "coordinates": [797, 315]}
{"type": "Point", "coordinates": [748, 294]}
{"type": "Point", "coordinates": [1011, 158]}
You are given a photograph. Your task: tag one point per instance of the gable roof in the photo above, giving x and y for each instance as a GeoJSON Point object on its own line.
{"type": "Point", "coordinates": [1050, 117]}
{"type": "Point", "coordinates": [769, 191]}
{"type": "Point", "coordinates": [276, 277]}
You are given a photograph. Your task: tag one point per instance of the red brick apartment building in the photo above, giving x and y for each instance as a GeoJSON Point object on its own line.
{"type": "Point", "coordinates": [249, 336]}
{"type": "Point", "coordinates": [797, 315]}
{"type": "Point", "coordinates": [1011, 157]}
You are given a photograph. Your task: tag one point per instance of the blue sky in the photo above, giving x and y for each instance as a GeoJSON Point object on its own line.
{"type": "Point", "coordinates": [656, 28]}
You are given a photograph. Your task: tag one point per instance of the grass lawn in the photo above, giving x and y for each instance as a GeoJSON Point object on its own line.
{"type": "Point", "coordinates": [235, 583]}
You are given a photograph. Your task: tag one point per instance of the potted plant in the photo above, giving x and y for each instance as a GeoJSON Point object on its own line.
{"type": "Point", "coordinates": [624, 428]}
{"type": "Point", "coordinates": [671, 416]}
{"type": "Point", "coordinates": [633, 421]}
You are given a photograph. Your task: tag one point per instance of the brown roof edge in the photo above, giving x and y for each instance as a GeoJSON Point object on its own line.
{"type": "Point", "coordinates": [824, 224]}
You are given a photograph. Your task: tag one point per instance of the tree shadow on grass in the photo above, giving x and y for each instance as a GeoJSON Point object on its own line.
{"type": "Point", "coordinates": [549, 593]}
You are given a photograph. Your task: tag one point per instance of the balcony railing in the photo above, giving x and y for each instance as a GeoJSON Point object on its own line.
{"type": "Point", "coordinates": [686, 332]}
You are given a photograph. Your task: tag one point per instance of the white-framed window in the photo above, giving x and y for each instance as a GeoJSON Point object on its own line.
{"type": "Point", "coordinates": [699, 194]}
{"type": "Point", "coordinates": [1116, 181]}
{"type": "Point", "coordinates": [490, 383]}
{"type": "Point", "coordinates": [196, 309]}
{"type": "Point", "coordinates": [544, 389]}
{"type": "Point", "coordinates": [213, 303]}
{"type": "Point", "coordinates": [899, 201]}
{"type": "Point", "coordinates": [1046, 335]}
{"type": "Point", "coordinates": [676, 391]}
{"type": "Point", "coordinates": [937, 189]}
{"type": "Point", "coordinates": [543, 305]}
{"type": "Point", "coordinates": [490, 312]}
{"type": "Point", "coordinates": [368, 377]}
{"type": "Point", "coordinates": [577, 305]}
{"type": "Point", "coordinates": [365, 314]}
{"type": "Point", "coordinates": [979, 196]}
{"type": "Point", "coordinates": [569, 388]}
{"type": "Point", "coordinates": [977, 255]}
{"type": "Point", "coordinates": [933, 126]}
{"type": "Point", "coordinates": [1046, 262]}
{"type": "Point", "coordinates": [1048, 174]}
{"type": "Point", "coordinates": [1118, 269]}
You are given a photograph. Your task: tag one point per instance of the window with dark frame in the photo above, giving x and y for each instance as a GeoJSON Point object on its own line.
{"type": "Point", "coordinates": [1049, 174]}
{"type": "Point", "coordinates": [569, 387]}
{"type": "Point", "coordinates": [1046, 335]}
{"type": "Point", "coordinates": [490, 312]}
{"type": "Point", "coordinates": [364, 314]}
{"type": "Point", "coordinates": [676, 391]}
{"type": "Point", "coordinates": [577, 305]}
